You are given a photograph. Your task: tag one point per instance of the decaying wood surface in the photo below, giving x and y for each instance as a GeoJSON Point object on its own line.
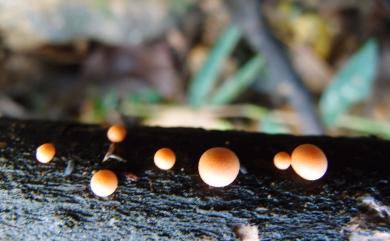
{"type": "Point", "coordinates": [54, 202]}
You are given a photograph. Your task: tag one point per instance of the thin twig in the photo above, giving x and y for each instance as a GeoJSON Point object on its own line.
{"type": "Point", "coordinates": [110, 154]}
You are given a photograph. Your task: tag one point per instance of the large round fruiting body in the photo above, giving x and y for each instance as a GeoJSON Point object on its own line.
{"type": "Point", "coordinates": [116, 133]}
{"type": "Point", "coordinates": [218, 166]}
{"type": "Point", "coordinates": [309, 162]}
{"type": "Point", "coordinates": [45, 152]}
{"type": "Point", "coordinates": [282, 160]}
{"type": "Point", "coordinates": [104, 183]}
{"type": "Point", "coordinates": [164, 158]}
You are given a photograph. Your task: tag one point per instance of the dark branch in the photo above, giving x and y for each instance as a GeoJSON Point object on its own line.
{"type": "Point", "coordinates": [248, 15]}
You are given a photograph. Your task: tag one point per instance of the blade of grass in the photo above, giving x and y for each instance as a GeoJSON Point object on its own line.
{"type": "Point", "coordinates": [364, 125]}
{"type": "Point", "coordinates": [205, 79]}
{"type": "Point", "coordinates": [272, 125]}
{"type": "Point", "coordinates": [239, 82]}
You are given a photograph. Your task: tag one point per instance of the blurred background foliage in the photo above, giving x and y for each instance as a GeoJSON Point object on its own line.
{"type": "Point", "coordinates": [185, 63]}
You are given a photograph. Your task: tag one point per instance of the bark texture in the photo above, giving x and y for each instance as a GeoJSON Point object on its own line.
{"type": "Point", "coordinates": [49, 202]}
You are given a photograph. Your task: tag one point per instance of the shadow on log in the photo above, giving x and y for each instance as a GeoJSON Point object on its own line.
{"type": "Point", "coordinates": [52, 201]}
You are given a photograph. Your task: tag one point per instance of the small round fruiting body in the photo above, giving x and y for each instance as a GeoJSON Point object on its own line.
{"type": "Point", "coordinates": [116, 133]}
{"type": "Point", "coordinates": [282, 160]}
{"type": "Point", "coordinates": [45, 153]}
{"type": "Point", "coordinates": [218, 166]}
{"type": "Point", "coordinates": [309, 162]}
{"type": "Point", "coordinates": [164, 158]}
{"type": "Point", "coordinates": [104, 183]}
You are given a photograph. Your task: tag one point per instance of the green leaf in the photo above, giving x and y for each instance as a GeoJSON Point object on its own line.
{"type": "Point", "coordinates": [353, 83]}
{"type": "Point", "coordinates": [238, 83]}
{"type": "Point", "coordinates": [206, 78]}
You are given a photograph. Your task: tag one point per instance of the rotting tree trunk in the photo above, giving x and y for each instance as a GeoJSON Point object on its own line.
{"type": "Point", "coordinates": [39, 203]}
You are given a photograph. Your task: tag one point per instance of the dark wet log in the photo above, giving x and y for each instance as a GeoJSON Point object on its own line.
{"type": "Point", "coordinates": [39, 202]}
